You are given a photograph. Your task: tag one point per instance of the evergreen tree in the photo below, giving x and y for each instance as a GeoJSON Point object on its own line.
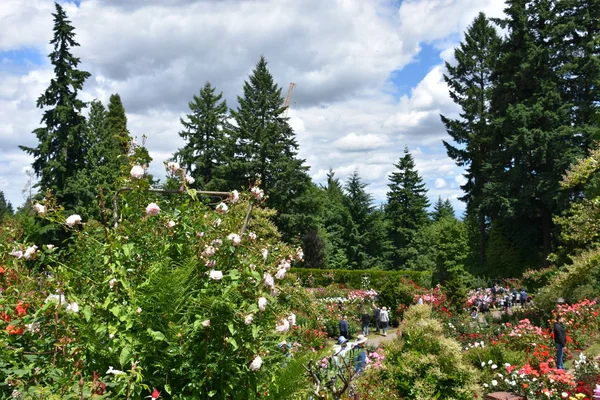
{"type": "Point", "coordinates": [263, 149]}
{"type": "Point", "coordinates": [442, 209]}
{"type": "Point", "coordinates": [530, 118]}
{"type": "Point", "coordinates": [119, 139]}
{"type": "Point", "coordinates": [573, 41]}
{"type": "Point", "coordinates": [359, 205]}
{"type": "Point", "coordinates": [6, 209]}
{"type": "Point", "coordinates": [61, 151]}
{"type": "Point", "coordinates": [406, 209]}
{"type": "Point", "coordinates": [204, 150]}
{"type": "Point", "coordinates": [470, 83]}
{"type": "Point", "coordinates": [336, 221]}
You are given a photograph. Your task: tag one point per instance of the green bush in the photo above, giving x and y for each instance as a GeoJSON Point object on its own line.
{"type": "Point", "coordinates": [354, 278]}
{"type": "Point", "coordinates": [426, 364]}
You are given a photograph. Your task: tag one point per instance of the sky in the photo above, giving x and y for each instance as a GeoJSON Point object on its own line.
{"type": "Point", "coordinates": [368, 74]}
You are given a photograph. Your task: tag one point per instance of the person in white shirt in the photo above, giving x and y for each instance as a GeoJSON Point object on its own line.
{"type": "Point", "coordinates": [385, 320]}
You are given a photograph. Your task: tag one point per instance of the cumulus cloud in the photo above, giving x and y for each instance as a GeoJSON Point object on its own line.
{"type": "Point", "coordinates": [340, 53]}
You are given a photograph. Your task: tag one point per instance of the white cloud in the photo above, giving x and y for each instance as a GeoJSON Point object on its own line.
{"type": "Point", "coordinates": [340, 53]}
{"type": "Point", "coordinates": [440, 183]}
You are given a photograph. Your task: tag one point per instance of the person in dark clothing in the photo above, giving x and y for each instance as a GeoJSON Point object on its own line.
{"type": "Point", "coordinates": [365, 320]}
{"type": "Point", "coordinates": [344, 328]}
{"type": "Point", "coordinates": [560, 339]}
{"type": "Point", "coordinates": [376, 317]}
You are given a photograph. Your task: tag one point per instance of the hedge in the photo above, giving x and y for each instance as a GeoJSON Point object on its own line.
{"type": "Point", "coordinates": [354, 278]}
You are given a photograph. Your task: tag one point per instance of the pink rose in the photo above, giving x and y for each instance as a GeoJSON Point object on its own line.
{"type": "Point", "coordinates": [152, 209]}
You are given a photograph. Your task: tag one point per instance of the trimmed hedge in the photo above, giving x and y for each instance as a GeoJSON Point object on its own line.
{"type": "Point", "coordinates": [353, 278]}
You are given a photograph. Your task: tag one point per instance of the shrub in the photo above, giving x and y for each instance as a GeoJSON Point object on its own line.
{"type": "Point", "coordinates": [354, 278]}
{"type": "Point", "coordinates": [427, 364]}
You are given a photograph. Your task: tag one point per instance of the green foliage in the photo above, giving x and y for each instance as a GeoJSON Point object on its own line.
{"type": "Point", "coordinates": [204, 150]}
{"type": "Point", "coordinates": [263, 148]}
{"type": "Point", "coordinates": [406, 209]}
{"type": "Point", "coordinates": [442, 209]}
{"type": "Point", "coordinates": [140, 300]}
{"type": "Point", "coordinates": [426, 364]}
{"type": "Point", "coordinates": [6, 209]}
{"type": "Point", "coordinates": [354, 279]}
{"type": "Point", "coordinates": [61, 151]}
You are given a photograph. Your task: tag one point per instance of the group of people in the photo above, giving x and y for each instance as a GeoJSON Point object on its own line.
{"type": "Point", "coordinates": [354, 351]}
{"type": "Point", "coordinates": [499, 296]}
{"type": "Point", "coordinates": [380, 316]}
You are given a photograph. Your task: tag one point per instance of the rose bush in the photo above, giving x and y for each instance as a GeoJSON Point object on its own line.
{"type": "Point", "coordinates": [168, 299]}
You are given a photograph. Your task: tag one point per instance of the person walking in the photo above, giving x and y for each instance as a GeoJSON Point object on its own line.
{"type": "Point", "coordinates": [523, 297]}
{"type": "Point", "coordinates": [376, 317]}
{"type": "Point", "coordinates": [365, 320]}
{"type": "Point", "coordinates": [385, 320]}
{"type": "Point", "coordinates": [344, 328]}
{"type": "Point", "coordinates": [560, 339]}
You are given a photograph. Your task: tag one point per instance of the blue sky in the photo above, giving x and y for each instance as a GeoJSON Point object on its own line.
{"type": "Point", "coordinates": [369, 75]}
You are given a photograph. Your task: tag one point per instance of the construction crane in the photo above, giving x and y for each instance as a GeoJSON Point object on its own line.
{"type": "Point", "coordinates": [288, 99]}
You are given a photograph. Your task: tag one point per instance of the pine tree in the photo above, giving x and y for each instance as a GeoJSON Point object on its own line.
{"type": "Point", "coordinates": [61, 151]}
{"type": "Point", "coordinates": [6, 209]}
{"type": "Point", "coordinates": [264, 149]}
{"type": "Point", "coordinates": [204, 150]}
{"type": "Point", "coordinates": [442, 209]}
{"type": "Point", "coordinates": [470, 83]}
{"type": "Point", "coordinates": [406, 208]}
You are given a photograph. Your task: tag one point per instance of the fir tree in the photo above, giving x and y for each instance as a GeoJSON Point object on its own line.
{"type": "Point", "coordinates": [263, 149]}
{"type": "Point", "coordinates": [406, 209]}
{"type": "Point", "coordinates": [359, 205]}
{"type": "Point", "coordinates": [530, 118]}
{"type": "Point", "coordinates": [61, 151]}
{"type": "Point", "coordinates": [442, 209]}
{"type": "Point", "coordinates": [204, 150]}
{"type": "Point", "coordinates": [470, 83]}
{"type": "Point", "coordinates": [336, 221]}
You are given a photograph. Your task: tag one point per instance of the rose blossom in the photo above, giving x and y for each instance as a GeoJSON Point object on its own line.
{"type": "Point", "coordinates": [249, 318]}
{"type": "Point", "coordinates": [209, 251]}
{"type": "Point", "coordinates": [210, 263]}
{"type": "Point", "coordinates": [235, 238]}
{"type": "Point", "coordinates": [265, 253]}
{"type": "Point", "coordinates": [280, 273]}
{"type": "Point", "coordinates": [137, 172]}
{"type": "Point", "coordinates": [206, 323]}
{"type": "Point", "coordinates": [171, 224]}
{"type": "Point", "coordinates": [73, 220]}
{"type": "Point", "coordinates": [152, 209]}
{"type": "Point", "coordinates": [292, 319]}
{"type": "Point", "coordinates": [215, 275]}
{"type": "Point", "coordinates": [252, 236]}
{"type": "Point", "coordinates": [256, 363]}
{"type": "Point", "coordinates": [262, 303]}
{"type": "Point", "coordinates": [268, 280]}
{"type": "Point", "coordinates": [257, 193]}
{"type": "Point", "coordinates": [222, 208]}
{"type": "Point", "coordinates": [189, 180]}
{"type": "Point", "coordinates": [73, 307]}
{"type": "Point", "coordinates": [299, 254]}
{"type": "Point", "coordinates": [173, 166]}
{"type": "Point", "coordinates": [138, 310]}
{"type": "Point", "coordinates": [40, 209]}
{"type": "Point", "coordinates": [283, 326]}
{"type": "Point", "coordinates": [16, 253]}
{"type": "Point", "coordinates": [234, 197]}
{"type": "Point", "coordinates": [30, 252]}
{"type": "Point", "coordinates": [112, 282]}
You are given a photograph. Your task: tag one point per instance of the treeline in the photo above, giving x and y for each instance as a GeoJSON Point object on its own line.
{"type": "Point", "coordinates": [529, 103]}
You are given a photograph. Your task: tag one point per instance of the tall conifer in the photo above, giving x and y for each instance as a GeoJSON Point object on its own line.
{"type": "Point", "coordinates": [61, 150]}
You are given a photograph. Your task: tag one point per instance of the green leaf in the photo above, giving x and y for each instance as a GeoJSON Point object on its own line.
{"type": "Point", "coordinates": [231, 330]}
{"type": "Point", "coordinates": [233, 343]}
{"type": "Point", "coordinates": [168, 388]}
{"type": "Point", "coordinates": [125, 356]}
{"type": "Point", "coordinates": [156, 335]}
{"type": "Point", "coordinates": [212, 393]}
{"type": "Point", "coordinates": [87, 313]}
